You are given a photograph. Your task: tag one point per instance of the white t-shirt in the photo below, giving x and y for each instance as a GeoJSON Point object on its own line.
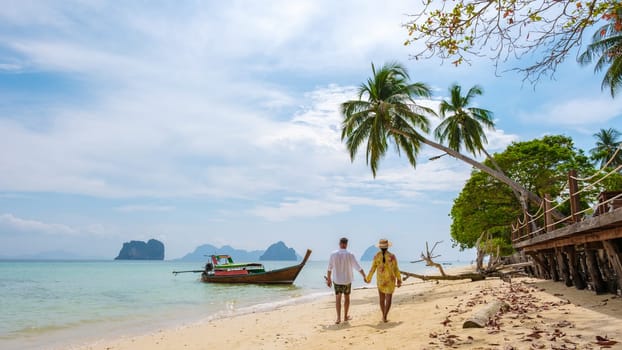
{"type": "Point", "coordinates": [341, 263]}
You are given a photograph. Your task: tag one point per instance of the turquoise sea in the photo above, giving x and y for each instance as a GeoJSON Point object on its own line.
{"type": "Point", "coordinates": [65, 304]}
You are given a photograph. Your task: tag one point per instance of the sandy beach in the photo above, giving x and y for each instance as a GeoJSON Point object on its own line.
{"type": "Point", "coordinates": [425, 315]}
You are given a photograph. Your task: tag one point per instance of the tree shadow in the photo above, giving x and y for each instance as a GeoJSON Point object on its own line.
{"type": "Point", "coordinates": [347, 325]}
{"type": "Point", "coordinates": [608, 304]}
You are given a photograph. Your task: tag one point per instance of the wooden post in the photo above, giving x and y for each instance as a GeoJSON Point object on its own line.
{"type": "Point", "coordinates": [550, 260]}
{"type": "Point", "coordinates": [548, 218]}
{"type": "Point", "coordinates": [615, 259]}
{"type": "Point", "coordinates": [577, 279]}
{"type": "Point", "coordinates": [540, 265]}
{"type": "Point", "coordinates": [574, 196]}
{"type": "Point", "coordinates": [563, 267]}
{"type": "Point", "coordinates": [592, 268]}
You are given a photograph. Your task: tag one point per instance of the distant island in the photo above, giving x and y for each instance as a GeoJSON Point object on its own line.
{"type": "Point", "coordinates": [139, 250]}
{"type": "Point", "coordinates": [201, 252]}
{"type": "Point", "coordinates": [369, 253]}
{"type": "Point", "coordinates": [279, 251]}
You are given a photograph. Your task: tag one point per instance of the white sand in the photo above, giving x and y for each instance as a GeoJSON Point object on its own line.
{"type": "Point", "coordinates": [425, 315]}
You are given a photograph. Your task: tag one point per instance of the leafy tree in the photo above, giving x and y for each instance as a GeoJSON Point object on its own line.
{"type": "Point", "coordinates": [386, 113]}
{"type": "Point", "coordinates": [607, 44]}
{"type": "Point", "coordinates": [607, 143]}
{"type": "Point", "coordinates": [483, 205]}
{"type": "Point", "coordinates": [460, 29]}
{"type": "Point", "coordinates": [542, 165]}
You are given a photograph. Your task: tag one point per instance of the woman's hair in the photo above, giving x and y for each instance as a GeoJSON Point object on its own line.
{"type": "Point", "coordinates": [384, 250]}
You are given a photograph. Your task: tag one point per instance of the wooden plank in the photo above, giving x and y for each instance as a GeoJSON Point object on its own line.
{"type": "Point", "coordinates": [606, 221]}
{"type": "Point", "coordinates": [585, 238]}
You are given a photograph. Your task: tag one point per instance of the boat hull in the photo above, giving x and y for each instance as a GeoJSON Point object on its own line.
{"type": "Point", "coordinates": [285, 275]}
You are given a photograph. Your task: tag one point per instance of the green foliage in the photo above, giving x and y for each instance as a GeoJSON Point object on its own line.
{"type": "Point", "coordinates": [504, 29]}
{"type": "Point", "coordinates": [606, 151]}
{"type": "Point", "coordinates": [386, 113]}
{"type": "Point", "coordinates": [541, 165]}
{"type": "Point", "coordinates": [484, 205]}
{"type": "Point", "coordinates": [606, 51]}
{"type": "Point", "coordinates": [463, 125]}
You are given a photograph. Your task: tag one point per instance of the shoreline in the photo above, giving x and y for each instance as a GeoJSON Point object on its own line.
{"type": "Point", "coordinates": [425, 315]}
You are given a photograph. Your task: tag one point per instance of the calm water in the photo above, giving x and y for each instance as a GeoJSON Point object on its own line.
{"type": "Point", "coordinates": [55, 304]}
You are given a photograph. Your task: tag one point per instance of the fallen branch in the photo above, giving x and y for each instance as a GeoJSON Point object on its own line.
{"type": "Point", "coordinates": [493, 270]}
{"type": "Point", "coordinates": [473, 276]}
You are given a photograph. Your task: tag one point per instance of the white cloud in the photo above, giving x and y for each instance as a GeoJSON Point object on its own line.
{"type": "Point", "coordinates": [10, 67]}
{"type": "Point", "coordinates": [145, 208]}
{"type": "Point", "coordinates": [12, 222]}
{"type": "Point", "coordinates": [292, 208]}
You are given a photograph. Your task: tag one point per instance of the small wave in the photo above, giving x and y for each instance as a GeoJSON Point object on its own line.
{"type": "Point", "coordinates": [264, 307]}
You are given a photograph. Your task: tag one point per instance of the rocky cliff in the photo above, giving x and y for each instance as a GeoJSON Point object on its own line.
{"type": "Point", "coordinates": [139, 250]}
{"type": "Point", "coordinates": [279, 251]}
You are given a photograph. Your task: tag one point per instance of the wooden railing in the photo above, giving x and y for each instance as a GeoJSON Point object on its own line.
{"type": "Point", "coordinates": [531, 225]}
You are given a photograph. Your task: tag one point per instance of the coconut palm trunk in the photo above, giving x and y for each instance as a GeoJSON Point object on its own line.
{"type": "Point", "coordinates": [525, 195]}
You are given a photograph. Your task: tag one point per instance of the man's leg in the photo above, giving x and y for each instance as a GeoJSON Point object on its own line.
{"type": "Point", "coordinates": [346, 307]}
{"type": "Point", "coordinates": [338, 307]}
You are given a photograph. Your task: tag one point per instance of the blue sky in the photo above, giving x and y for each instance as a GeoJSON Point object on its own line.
{"type": "Point", "coordinates": [217, 122]}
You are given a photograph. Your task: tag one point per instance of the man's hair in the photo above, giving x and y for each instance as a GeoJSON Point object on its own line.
{"type": "Point", "coordinates": [343, 240]}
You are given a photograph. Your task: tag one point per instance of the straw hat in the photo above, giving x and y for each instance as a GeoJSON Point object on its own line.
{"type": "Point", "coordinates": [383, 243]}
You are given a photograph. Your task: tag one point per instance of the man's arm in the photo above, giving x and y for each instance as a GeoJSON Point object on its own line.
{"type": "Point", "coordinates": [363, 274]}
{"type": "Point", "coordinates": [328, 280]}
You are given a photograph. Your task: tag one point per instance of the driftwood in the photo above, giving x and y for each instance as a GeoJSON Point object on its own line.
{"type": "Point", "coordinates": [473, 276]}
{"type": "Point", "coordinates": [480, 317]}
{"type": "Point", "coordinates": [494, 269]}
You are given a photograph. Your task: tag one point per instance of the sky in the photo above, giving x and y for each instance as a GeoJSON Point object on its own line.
{"type": "Point", "coordinates": [196, 122]}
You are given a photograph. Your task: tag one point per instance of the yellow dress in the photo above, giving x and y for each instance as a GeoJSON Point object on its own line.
{"type": "Point", "coordinates": [388, 272]}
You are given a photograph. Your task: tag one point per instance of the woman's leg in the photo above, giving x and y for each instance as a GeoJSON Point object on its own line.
{"type": "Point", "coordinates": [381, 298]}
{"type": "Point", "coordinates": [387, 305]}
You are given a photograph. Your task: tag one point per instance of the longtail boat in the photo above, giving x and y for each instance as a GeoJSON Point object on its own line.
{"type": "Point", "coordinates": [222, 269]}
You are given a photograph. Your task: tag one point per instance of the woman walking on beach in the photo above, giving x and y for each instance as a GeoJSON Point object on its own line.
{"type": "Point", "coordinates": [387, 277]}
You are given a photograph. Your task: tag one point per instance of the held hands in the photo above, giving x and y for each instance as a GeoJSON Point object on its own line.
{"type": "Point", "coordinates": [399, 282]}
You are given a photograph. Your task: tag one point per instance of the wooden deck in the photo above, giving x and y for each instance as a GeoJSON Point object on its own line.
{"type": "Point", "coordinates": [581, 250]}
{"type": "Point", "coordinates": [605, 226]}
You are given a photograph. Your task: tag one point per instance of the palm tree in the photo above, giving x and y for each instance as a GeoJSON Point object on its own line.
{"type": "Point", "coordinates": [386, 112]}
{"type": "Point", "coordinates": [462, 125]}
{"type": "Point", "coordinates": [607, 43]}
{"type": "Point", "coordinates": [390, 113]}
{"type": "Point", "coordinates": [607, 143]}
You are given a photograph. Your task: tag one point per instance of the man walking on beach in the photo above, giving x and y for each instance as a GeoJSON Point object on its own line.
{"type": "Point", "coordinates": [340, 266]}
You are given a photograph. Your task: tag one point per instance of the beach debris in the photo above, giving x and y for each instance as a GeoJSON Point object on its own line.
{"type": "Point", "coordinates": [605, 342]}
{"type": "Point", "coordinates": [482, 316]}
{"type": "Point", "coordinates": [493, 269]}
